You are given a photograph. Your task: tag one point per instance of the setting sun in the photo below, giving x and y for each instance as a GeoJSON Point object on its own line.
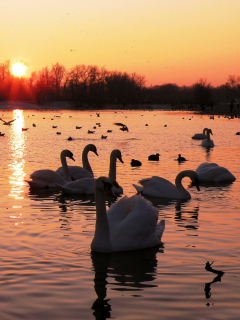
{"type": "Point", "coordinates": [19, 69]}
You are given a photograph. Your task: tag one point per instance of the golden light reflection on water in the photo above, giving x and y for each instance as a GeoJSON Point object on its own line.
{"type": "Point", "coordinates": [17, 162]}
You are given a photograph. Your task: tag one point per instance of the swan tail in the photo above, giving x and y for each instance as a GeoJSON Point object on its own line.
{"type": "Point", "coordinates": [138, 188]}
{"type": "Point", "coordinates": [160, 228]}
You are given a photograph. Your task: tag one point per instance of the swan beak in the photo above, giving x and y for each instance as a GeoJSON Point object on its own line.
{"type": "Point", "coordinates": [72, 158]}
{"type": "Point", "coordinates": [108, 189]}
{"type": "Point", "coordinates": [121, 160]}
{"type": "Point", "coordinates": [96, 153]}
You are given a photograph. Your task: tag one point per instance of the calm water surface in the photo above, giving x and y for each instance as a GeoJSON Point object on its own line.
{"type": "Point", "coordinates": [47, 269]}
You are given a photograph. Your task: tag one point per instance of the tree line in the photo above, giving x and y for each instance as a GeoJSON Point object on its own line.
{"type": "Point", "coordinates": [94, 87]}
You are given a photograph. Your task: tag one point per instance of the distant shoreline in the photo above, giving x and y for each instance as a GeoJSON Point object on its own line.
{"type": "Point", "coordinates": [218, 109]}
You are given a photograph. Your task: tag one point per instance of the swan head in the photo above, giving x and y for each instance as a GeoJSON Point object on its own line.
{"type": "Point", "coordinates": [117, 154]}
{"type": "Point", "coordinates": [92, 147]}
{"type": "Point", "coordinates": [195, 183]}
{"type": "Point", "coordinates": [67, 153]}
{"type": "Point", "coordinates": [103, 184]}
{"type": "Point", "coordinates": [210, 131]}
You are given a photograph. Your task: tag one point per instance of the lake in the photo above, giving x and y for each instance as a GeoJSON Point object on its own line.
{"type": "Point", "coordinates": [47, 268]}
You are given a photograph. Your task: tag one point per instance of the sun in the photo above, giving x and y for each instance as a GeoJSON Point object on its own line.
{"type": "Point", "coordinates": [19, 69]}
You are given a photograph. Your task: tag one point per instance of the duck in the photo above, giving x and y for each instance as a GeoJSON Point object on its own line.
{"type": "Point", "coordinates": [46, 178]}
{"type": "Point", "coordinates": [135, 163]}
{"type": "Point", "coordinates": [129, 224]}
{"type": "Point", "coordinates": [181, 159]}
{"type": "Point", "coordinates": [2, 134]}
{"type": "Point", "coordinates": [154, 157]}
{"type": "Point", "coordinates": [200, 136]}
{"type": "Point", "coordinates": [162, 188]}
{"type": "Point", "coordinates": [103, 137]}
{"type": "Point", "coordinates": [208, 142]}
{"type": "Point", "coordinates": [86, 185]}
{"type": "Point", "coordinates": [212, 172]}
{"type": "Point", "coordinates": [78, 172]}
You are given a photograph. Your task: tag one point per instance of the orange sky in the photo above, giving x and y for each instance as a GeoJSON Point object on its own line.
{"type": "Point", "coordinates": [167, 41]}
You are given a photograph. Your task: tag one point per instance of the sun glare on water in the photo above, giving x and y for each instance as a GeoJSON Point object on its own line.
{"type": "Point", "coordinates": [19, 69]}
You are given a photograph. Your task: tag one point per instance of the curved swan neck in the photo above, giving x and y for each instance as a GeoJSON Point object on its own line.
{"type": "Point", "coordinates": [178, 181]}
{"type": "Point", "coordinates": [66, 173]}
{"type": "Point", "coordinates": [85, 162]}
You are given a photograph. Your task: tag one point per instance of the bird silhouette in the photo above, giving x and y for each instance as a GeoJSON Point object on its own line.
{"type": "Point", "coordinates": [124, 127]}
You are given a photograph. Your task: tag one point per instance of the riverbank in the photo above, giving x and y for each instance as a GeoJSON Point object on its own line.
{"type": "Point", "coordinates": [217, 109]}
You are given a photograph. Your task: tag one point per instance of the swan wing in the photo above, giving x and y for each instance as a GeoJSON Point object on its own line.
{"type": "Point", "coordinates": [48, 176]}
{"type": "Point", "coordinates": [139, 228]}
{"type": "Point", "coordinates": [76, 172]}
{"type": "Point", "coordinates": [80, 186]}
{"type": "Point", "coordinates": [215, 173]}
{"type": "Point", "coordinates": [158, 187]}
{"type": "Point", "coordinates": [119, 211]}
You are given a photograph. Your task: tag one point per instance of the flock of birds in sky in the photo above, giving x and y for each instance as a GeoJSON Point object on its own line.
{"type": "Point", "coordinates": [131, 223]}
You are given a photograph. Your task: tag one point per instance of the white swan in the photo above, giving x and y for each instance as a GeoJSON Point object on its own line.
{"type": "Point", "coordinates": [162, 188]}
{"type": "Point", "coordinates": [208, 142]}
{"type": "Point", "coordinates": [212, 172]}
{"type": "Point", "coordinates": [200, 136]}
{"type": "Point", "coordinates": [86, 185]}
{"type": "Point", "coordinates": [129, 224]}
{"type": "Point", "coordinates": [78, 172]}
{"type": "Point", "coordinates": [46, 178]}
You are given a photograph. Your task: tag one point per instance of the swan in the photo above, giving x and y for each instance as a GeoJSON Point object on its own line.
{"type": "Point", "coordinates": [46, 178]}
{"type": "Point", "coordinates": [160, 187]}
{"type": "Point", "coordinates": [86, 185]}
{"type": "Point", "coordinates": [200, 136]}
{"type": "Point", "coordinates": [208, 142]}
{"type": "Point", "coordinates": [212, 172]}
{"type": "Point", "coordinates": [129, 224]}
{"type": "Point", "coordinates": [78, 172]}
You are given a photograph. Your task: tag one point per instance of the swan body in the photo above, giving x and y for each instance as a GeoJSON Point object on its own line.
{"type": "Point", "coordinates": [208, 142]}
{"type": "Point", "coordinates": [46, 178]}
{"type": "Point", "coordinates": [200, 136]}
{"type": "Point", "coordinates": [162, 188]}
{"type": "Point", "coordinates": [86, 185]}
{"type": "Point", "coordinates": [212, 172]}
{"type": "Point", "coordinates": [129, 224]}
{"type": "Point", "coordinates": [78, 172]}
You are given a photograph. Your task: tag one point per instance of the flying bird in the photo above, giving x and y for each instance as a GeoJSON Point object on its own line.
{"type": "Point", "coordinates": [124, 127]}
{"type": "Point", "coordinates": [7, 123]}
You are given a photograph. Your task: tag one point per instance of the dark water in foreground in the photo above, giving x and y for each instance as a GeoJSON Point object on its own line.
{"type": "Point", "coordinates": [47, 269]}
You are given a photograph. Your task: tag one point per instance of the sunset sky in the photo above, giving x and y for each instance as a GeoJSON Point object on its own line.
{"type": "Point", "coordinates": [167, 41]}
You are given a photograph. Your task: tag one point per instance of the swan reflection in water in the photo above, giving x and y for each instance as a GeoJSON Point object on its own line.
{"type": "Point", "coordinates": [131, 271]}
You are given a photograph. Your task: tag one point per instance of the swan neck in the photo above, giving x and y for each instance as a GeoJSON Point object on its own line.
{"type": "Point", "coordinates": [112, 169]}
{"type": "Point", "coordinates": [66, 173]}
{"type": "Point", "coordinates": [101, 239]}
{"type": "Point", "coordinates": [178, 180]}
{"type": "Point", "coordinates": [85, 162]}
